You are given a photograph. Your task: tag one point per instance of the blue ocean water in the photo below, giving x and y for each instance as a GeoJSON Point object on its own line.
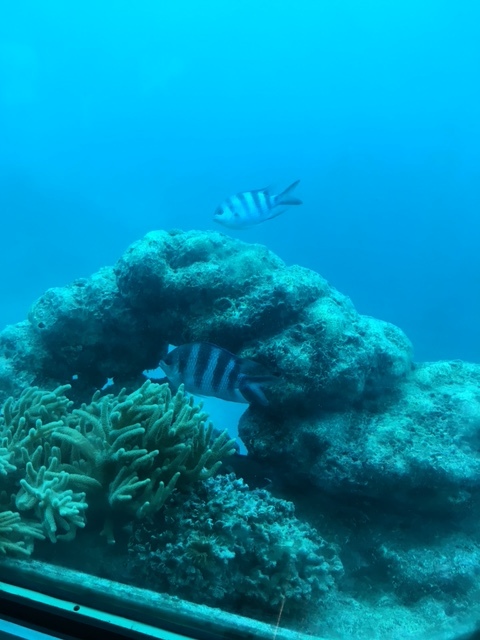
{"type": "Point", "coordinates": [117, 118]}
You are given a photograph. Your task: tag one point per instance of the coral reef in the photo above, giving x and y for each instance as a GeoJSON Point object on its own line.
{"type": "Point", "coordinates": [378, 453]}
{"type": "Point", "coordinates": [242, 550]}
{"type": "Point", "coordinates": [140, 446]}
{"type": "Point", "coordinates": [125, 452]}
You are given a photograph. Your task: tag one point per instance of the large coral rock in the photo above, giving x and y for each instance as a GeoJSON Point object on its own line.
{"type": "Point", "coordinates": [419, 448]}
{"type": "Point", "coordinates": [21, 354]}
{"type": "Point", "coordinates": [179, 287]}
{"type": "Point", "coordinates": [205, 286]}
{"type": "Point", "coordinates": [85, 331]}
{"type": "Point", "coordinates": [89, 330]}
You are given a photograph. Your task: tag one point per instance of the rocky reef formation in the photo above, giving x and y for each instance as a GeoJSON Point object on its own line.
{"type": "Point", "coordinates": [418, 449]}
{"type": "Point", "coordinates": [364, 440]}
{"type": "Point", "coordinates": [183, 287]}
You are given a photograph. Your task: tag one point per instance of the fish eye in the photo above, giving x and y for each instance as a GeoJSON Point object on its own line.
{"type": "Point", "coordinates": [219, 212]}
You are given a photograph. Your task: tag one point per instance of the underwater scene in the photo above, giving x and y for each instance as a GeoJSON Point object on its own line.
{"type": "Point", "coordinates": [239, 346]}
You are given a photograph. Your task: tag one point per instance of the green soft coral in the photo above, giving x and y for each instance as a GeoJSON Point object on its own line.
{"type": "Point", "coordinates": [131, 450]}
{"type": "Point", "coordinates": [17, 535]}
{"type": "Point", "coordinates": [27, 422]}
{"type": "Point", "coordinates": [44, 491]}
{"type": "Point", "coordinates": [140, 446]}
{"type": "Point", "coordinates": [33, 480]}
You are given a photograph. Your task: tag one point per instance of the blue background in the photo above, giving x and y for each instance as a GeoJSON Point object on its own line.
{"type": "Point", "coordinates": [117, 118]}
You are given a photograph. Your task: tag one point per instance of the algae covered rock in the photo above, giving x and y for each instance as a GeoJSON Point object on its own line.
{"type": "Point", "coordinates": [89, 331]}
{"type": "Point", "coordinates": [208, 287]}
{"type": "Point", "coordinates": [418, 449]}
{"type": "Point", "coordinates": [446, 567]}
{"type": "Point", "coordinates": [21, 357]}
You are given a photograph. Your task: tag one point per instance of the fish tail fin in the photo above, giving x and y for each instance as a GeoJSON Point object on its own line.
{"type": "Point", "coordinates": [286, 196]}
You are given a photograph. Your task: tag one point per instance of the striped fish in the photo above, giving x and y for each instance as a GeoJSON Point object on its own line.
{"type": "Point", "coordinates": [208, 370]}
{"type": "Point", "coordinates": [253, 207]}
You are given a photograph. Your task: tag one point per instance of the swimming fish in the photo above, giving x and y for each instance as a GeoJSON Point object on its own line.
{"type": "Point", "coordinates": [208, 370]}
{"type": "Point", "coordinates": [249, 208]}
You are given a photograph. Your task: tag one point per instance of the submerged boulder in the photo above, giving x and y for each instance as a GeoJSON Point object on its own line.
{"type": "Point", "coordinates": [89, 330]}
{"type": "Point", "coordinates": [208, 287]}
{"type": "Point", "coordinates": [419, 449]}
{"type": "Point", "coordinates": [83, 334]}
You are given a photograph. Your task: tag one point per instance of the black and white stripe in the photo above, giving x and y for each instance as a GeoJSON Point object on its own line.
{"type": "Point", "coordinates": [250, 205]}
{"type": "Point", "coordinates": [249, 208]}
{"type": "Point", "coordinates": [206, 369]}
{"type": "Point", "coordinates": [207, 364]}
{"type": "Point", "coordinates": [257, 203]}
{"type": "Point", "coordinates": [191, 366]}
{"type": "Point", "coordinates": [200, 358]}
{"type": "Point", "coordinates": [224, 364]}
{"type": "Point", "coordinates": [266, 202]}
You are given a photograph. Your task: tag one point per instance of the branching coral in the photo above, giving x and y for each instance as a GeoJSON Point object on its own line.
{"type": "Point", "coordinates": [225, 545]}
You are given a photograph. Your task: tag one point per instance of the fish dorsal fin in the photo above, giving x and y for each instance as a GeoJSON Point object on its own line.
{"type": "Point", "coordinates": [265, 190]}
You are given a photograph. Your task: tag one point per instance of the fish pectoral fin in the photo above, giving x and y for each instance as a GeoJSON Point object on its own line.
{"type": "Point", "coordinates": [251, 390]}
{"type": "Point", "coordinates": [164, 367]}
{"type": "Point", "coordinates": [265, 190]}
{"type": "Point", "coordinates": [252, 387]}
{"type": "Point", "coordinates": [274, 213]}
